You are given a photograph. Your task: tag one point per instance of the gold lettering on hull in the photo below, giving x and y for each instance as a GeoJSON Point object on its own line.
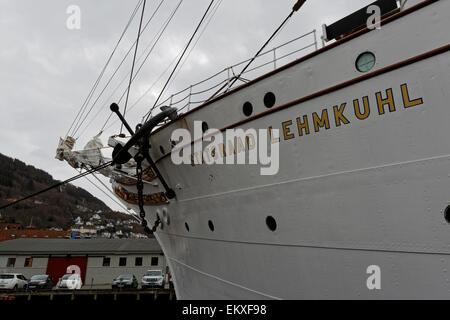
{"type": "Point", "coordinates": [382, 103]}
{"type": "Point", "coordinates": [407, 102]}
{"type": "Point", "coordinates": [241, 144]}
{"type": "Point", "coordinates": [338, 115]}
{"type": "Point", "coordinates": [321, 122]}
{"type": "Point", "coordinates": [358, 114]}
{"type": "Point", "coordinates": [389, 101]}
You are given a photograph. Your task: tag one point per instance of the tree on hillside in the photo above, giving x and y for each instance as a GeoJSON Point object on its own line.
{"type": "Point", "coordinates": [30, 185]}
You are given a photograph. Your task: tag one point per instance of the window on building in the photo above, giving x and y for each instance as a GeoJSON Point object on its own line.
{"type": "Point", "coordinates": [138, 261]}
{"type": "Point", "coordinates": [122, 262]}
{"type": "Point", "coordinates": [106, 261]}
{"type": "Point", "coordinates": [154, 261]}
{"type": "Point", "coordinates": [28, 262]}
{"type": "Point", "coordinates": [11, 262]}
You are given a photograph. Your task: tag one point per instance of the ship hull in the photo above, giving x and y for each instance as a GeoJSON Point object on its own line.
{"type": "Point", "coordinates": [363, 181]}
{"type": "Point", "coordinates": [380, 202]}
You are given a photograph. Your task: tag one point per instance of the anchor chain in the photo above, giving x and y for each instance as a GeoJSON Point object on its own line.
{"type": "Point", "coordinates": [140, 188]}
{"type": "Point", "coordinates": [140, 138]}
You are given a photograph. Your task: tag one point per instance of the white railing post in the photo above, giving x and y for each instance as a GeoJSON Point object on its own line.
{"type": "Point", "coordinates": [231, 76]}
{"type": "Point", "coordinates": [189, 101]}
{"type": "Point", "coordinates": [315, 39]}
{"type": "Point", "coordinates": [230, 70]}
{"type": "Point", "coordinates": [274, 58]}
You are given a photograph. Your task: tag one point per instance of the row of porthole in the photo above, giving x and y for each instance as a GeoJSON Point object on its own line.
{"type": "Point", "coordinates": [247, 109]}
{"type": "Point", "coordinates": [269, 102]}
{"type": "Point", "coordinates": [271, 223]}
{"type": "Point", "coordinates": [364, 63]}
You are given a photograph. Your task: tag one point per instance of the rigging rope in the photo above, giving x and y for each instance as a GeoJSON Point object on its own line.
{"type": "Point", "coordinates": [214, 10]}
{"type": "Point", "coordinates": [142, 96]}
{"type": "Point", "coordinates": [296, 7]}
{"type": "Point", "coordinates": [109, 196]}
{"type": "Point", "coordinates": [94, 87]}
{"type": "Point", "coordinates": [154, 45]}
{"type": "Point", "coordinates": [175, 68]}
{"type": "Point", "coordinates": [154, 42]}
{"type": "Point", "coordinates": [134, 61]}
{"type": "Point", "coordinates": [81, 175]}
{"type": "Point", "coordinates": [113, 75]}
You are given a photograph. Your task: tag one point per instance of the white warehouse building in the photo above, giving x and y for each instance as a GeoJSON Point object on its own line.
{"type": "Point", "coordinates": [98, 261]}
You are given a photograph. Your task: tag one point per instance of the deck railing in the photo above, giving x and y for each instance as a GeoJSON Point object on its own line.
{"type": "Point", "coordinates": [221, 81]}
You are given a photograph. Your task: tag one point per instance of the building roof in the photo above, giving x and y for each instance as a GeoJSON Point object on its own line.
{"type": "Point", "coordinates": [11, 234]}
{"type": "Point", "coordinates": [11, 231]}
{"type": "Point", "coordinates": [7, 226]}
{"type": "Point", "coordinates": [79, 246]}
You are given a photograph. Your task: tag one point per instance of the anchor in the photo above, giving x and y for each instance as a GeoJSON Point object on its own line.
{"type": "Point", "coordinates": [141, 137]}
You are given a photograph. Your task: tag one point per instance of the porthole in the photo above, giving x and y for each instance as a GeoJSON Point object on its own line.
{"type": "Point", "coordinates": [271, 223]}
{"type": "Point", "coordinates": [161, 148]}
{"type": "Point", "coordinates": [247, 109]}
{"type": "Point", "coordinates": [365, 62]}
{"type": "Point", "coordinates": [447, 214]}
{"type": "Point", "coordinates": [186, 226]}
{"type": "Point", "coordinates": [205, 127]}
{"type": "Point", "coordinates": [211, 225]}
{"type": "Point", "coordinates": [213, 152]}
{"type": "Point", "coordinates": [269, 99]}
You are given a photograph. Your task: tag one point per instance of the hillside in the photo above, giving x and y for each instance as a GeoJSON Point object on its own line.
{"type": "Point", "coordinates": [57, 208]}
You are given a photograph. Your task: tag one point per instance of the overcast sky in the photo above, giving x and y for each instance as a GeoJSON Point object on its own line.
{"type": "Point", "coordinates": [47, 69]}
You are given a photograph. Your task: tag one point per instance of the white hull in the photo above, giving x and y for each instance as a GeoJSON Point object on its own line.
{"type": "Point", "coordinates": [370, 192]}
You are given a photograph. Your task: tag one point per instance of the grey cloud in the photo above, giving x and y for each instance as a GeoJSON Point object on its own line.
{"type": "Point", "coordinates": [47, 70]}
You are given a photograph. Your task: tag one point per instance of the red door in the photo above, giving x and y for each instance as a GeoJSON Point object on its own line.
{"type": "Point", "coordinates": [59, 266]}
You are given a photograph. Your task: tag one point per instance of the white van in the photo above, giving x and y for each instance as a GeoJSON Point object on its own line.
{"type": "Point", "coordinates": [153, 278]}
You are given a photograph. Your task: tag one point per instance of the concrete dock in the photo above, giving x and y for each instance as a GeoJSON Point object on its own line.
{"type": "Point", "coordinates": [93, 295]}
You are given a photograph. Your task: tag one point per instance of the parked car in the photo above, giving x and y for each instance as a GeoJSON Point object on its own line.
{"type": "Point", "coordinates": [12, 281]}
{"type": "Point", "coordinates": [70, 281]}
{"type": "Point", "coordinates": [40, 282]}
{"type": "Point", "coordinates": [125, 281]}
{"type": "Point", "coordinates": [153, 278]}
